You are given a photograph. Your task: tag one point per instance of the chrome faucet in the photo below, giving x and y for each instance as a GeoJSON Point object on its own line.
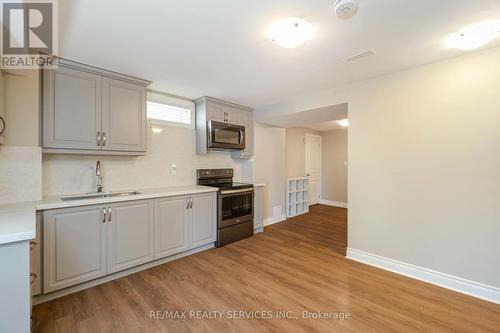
{"type": "Point", "coordinates": [99, 177]}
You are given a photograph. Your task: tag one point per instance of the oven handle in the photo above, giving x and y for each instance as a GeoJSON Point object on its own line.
{"type": "Point", "coordinates": [237, 191]}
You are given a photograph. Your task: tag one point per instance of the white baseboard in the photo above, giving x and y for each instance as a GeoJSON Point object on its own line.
{"type": "Point", "coordinates": [274, 219]}
{"type": "Point", "coordinates": [464, 286]}
{"type": "Point", "coordinates": [333, 203]}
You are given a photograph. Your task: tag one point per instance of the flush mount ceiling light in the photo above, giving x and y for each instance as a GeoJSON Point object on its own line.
{"type": "Point", "coordinates": [343, 122]}
{"type": "Point", "coordinates": [474, 36]}
{"type": "Point", "coordinates": [290, 32]}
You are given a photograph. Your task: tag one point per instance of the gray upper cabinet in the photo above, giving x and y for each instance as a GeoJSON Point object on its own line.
{"type": "Point", "coordinates": [208, 108]}
{"type": "Point", "coordinates": [72, 109]}
{"type": "Point", "coordinates": [129, 234]}
{"type": "Point", "coordinates": [88, 110]}
{"type": "Point", "coordinates": [171, 226]}
{"type": "Point", "coordinates": [74, 246]}
{"type": "Point", "coordinates": [123, 116]}
{"type": "Point", "coordinates": [246, 119]}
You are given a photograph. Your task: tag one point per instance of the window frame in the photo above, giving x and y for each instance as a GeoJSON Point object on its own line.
{"type": "Point", "coordinates": [163, 98]}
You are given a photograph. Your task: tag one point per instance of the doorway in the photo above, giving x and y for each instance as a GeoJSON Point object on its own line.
{"type": "Point", "coordinates": [313, 167]}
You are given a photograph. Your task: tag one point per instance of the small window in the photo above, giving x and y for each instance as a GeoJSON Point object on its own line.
{"type": "Point", "coordinates": [163, 109]}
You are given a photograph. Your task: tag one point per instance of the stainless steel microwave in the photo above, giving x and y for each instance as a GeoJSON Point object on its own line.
{"type": "Point", "coordinates": [224, 136]}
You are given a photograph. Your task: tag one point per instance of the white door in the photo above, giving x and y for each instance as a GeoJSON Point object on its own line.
{"type": "Point", "coordinates": [313, 167]}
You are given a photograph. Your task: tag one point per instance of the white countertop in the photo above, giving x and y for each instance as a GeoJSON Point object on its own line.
{"type": "Point", "coordinates": [18, 221]}
{"type": "Point", "coordinates": [259, 185]}
{"type": "Point", "coordinates": [56, 202]}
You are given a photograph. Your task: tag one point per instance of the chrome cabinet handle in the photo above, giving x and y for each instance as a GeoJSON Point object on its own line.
{"type": "Point", "coordinates": [104, 215]}
{"type": "Point", "coordinates": [98, 139]}
{"type": "Point", "coordinates": [187, 203]}
{"type": "Point", "coordinates": [32, 245]}
{"type": "Point", "coordinates": [103, 139]}
{"type": "Point", "coordinates": [190, 202]}
{"type": "Point", "coordinates": [33, 277]}
{"type": "Point", "coordinates": [109, 214]}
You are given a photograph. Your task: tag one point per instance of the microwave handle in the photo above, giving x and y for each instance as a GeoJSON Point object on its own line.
{"type": "Point", "coordinates": [241, 135]}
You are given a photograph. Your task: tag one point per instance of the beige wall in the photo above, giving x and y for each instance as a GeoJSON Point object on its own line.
{"type": "Point", "coordinates": [269, 168]}
{"type": "Point", "coordinates": [333, 166]}
{"type": "Point", "coordinates": [22, 105]}
{"type": "Point", "coordinates": [296, 151]}
{"type": "Point", "coordinates": [20, 174]}
{"type": "Point", "coordinates": [20, 155]}
{"type": "Point", "coordinates": [424, 164]}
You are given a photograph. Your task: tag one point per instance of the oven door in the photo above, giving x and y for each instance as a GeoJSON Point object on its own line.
{"type": "Point", "coordinates": [235, 207]}
{"type": "Point", "coordinates": [225, 136]}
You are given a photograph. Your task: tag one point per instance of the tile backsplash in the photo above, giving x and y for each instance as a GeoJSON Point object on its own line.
{"type": "Point", "coordinates": [72, 174]}
{"type": "Point", "coordinates": [20, 174]}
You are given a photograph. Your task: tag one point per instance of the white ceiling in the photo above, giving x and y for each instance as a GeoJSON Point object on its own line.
{"type": "Point", "coordinates": [219, 48]}
{"type": "Point", "coordinates": [322, 119]}
{"type": "Point", "coordinates": [325, 126]}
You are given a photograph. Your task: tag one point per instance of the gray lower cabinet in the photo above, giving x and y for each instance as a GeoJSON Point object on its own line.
{"type": "Point", "coordinates": [258, 222]}
{"type": "Point", "coordinates": [84, 243]}
{"type": "Point", "coordinates": [203, 220]}
{"type": "Point", "coordinates": [184, 222]}
{"type": "Point", "coordinates": [129, 234]}
{"type": "Point", "coordinates": [74, 246]}
{"type": "Point", "coordinates": [171, 226]}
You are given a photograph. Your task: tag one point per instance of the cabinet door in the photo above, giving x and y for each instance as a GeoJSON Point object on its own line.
{"type": "Point", "coordinates": [74, 246]}
{"type": "Point", "coordinates": [171, 226]}
{"type": "Point", "coordinates": [123, 116]}
{"type": "Point", "coordinates": [232, 116]}
{"type": "Point", "coordinates": [203, 220]}
{"type": "Point", "coordinates": [258, 221]}
{"type": "Point", "coordinates": [215, 111]}
{"type": "Point", "coordinates": [246, 119]}
{"type": "Point", "coordinates": [36, 258]}
{"type": "Point", "coordinates": [130, 234]}
{"type": "Point", "coordinates": [72, 109]}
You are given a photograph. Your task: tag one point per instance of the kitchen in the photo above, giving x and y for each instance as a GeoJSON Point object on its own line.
{"type": "Point", "coordinates": [146, 184]}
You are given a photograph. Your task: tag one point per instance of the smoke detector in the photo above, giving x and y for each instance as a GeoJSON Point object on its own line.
{"type": "Point", "coordinates": [345, 8]}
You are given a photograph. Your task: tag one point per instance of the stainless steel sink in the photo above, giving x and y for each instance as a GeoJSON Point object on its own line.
{"type": "Point", "coordinates": [99, 195]}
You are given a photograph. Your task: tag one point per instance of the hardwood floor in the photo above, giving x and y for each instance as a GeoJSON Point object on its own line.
{"type": "Point", "coordinates": [297, 265]}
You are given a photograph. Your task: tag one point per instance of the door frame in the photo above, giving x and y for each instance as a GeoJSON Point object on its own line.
{"type": "Point", "coordinates": [309, 135]}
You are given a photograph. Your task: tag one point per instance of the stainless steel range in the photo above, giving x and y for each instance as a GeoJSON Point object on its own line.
{"type": "Point", "coordinates": [235, 205]}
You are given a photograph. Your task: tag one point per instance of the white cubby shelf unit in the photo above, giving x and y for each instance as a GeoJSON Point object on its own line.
{"type": "Point", "coordinates": [297, 196]}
